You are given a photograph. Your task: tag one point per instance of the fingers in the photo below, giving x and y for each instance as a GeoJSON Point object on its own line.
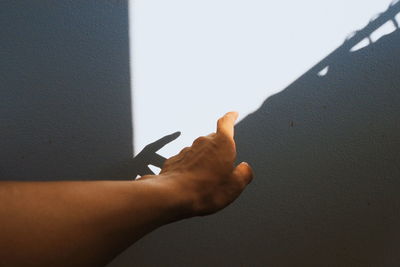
{"type": "Point", "coordinates": [226, 124]}
{"type": "Point", "coordinates": [244, 173]}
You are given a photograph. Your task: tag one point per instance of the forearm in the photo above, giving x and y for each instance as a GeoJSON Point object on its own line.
{"type": "Point", "coordinates": [88, 223]}
{"type": "Point", "coordinates": [79, 223]}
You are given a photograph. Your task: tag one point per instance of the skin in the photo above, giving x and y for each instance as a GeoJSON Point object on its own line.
{"type": "Point", "coordinates": [88, 223]}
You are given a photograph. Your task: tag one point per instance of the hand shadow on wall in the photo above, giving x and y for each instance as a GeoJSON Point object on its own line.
{"type": "Point", "coordinates": [139, 165]}
{"type": "Point", "coordinates": [326, 156]}
{"type": "Point", "coordinates": [65, 111]}
{"type": "Point", "coordinates": [149, 156]}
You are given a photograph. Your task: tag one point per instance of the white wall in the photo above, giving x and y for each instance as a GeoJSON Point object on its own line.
{"type": "Point", "coordinates": [194, 60]}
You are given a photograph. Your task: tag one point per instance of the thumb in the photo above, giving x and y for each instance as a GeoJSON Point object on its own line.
{"type": "Point", "coordinates": [243, 172]}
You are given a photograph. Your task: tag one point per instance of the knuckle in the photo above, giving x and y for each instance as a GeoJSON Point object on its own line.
{"type": "Point", "coordinates": [200, 140]}
{"type": "Point", "coordinates": [184, 150]}
{"type": "Point", "coordinates": [169, 161]}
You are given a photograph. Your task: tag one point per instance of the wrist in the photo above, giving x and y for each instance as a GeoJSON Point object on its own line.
{"type": "Point", "coordinates": [181, 197]}
{"type": "Point", "coordinates": [171, 194]}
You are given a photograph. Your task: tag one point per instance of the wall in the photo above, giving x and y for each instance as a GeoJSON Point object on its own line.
{"type": "Point", "coordinates": [325, 151]}
{"type": "Point", "coordinates": [208, 57]}
{"type": "Point", "coordinates": [65, 108]}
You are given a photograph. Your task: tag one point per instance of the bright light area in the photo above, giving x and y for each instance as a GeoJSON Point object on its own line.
{"type": "Point", "coordinates": [365, 42]}
{"type": "Point", "coordinates": [194, 60]}
{"type": "Point", "coordinates": [385, 29]}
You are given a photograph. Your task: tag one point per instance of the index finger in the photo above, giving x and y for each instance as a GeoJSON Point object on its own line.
{"type": "Point", "coordinates": [226, 123]}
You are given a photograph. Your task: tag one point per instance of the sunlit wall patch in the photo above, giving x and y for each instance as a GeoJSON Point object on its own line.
{"type": "Point", "coordinates": [186, 68]}
{"type": "Point", "coordinates": [324, 71]}
{"type": "Point", "coordinates": [385, 29]}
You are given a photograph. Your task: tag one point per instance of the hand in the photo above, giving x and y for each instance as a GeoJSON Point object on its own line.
{"type": "Point", "coordinates": [204, 174]}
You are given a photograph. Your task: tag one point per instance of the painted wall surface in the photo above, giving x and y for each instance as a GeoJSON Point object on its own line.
{"type": "Point", "coordinates": [206, 57]}
{"type": "Point", "coordinates": [326, 154]}
{"type": "Point", "coordinates": [65, 110]}
{"type": "Point", "coordinates": [325, 150]}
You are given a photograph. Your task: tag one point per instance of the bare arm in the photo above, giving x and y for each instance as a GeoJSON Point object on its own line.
{"type": "Point", "coordinates": [87, 223]}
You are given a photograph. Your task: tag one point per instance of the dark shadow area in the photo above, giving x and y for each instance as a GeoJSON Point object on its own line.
{"type": "Point", "coordinates": [149, 156]}
{"type": "Point", "coordinates": [65, 111]}
{"type": "Point", "coordinates": [139, 165]}
{"type": "Point", "coordinates": [326, 154]}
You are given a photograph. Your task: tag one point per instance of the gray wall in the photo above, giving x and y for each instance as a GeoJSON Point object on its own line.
{"type": "Point", "coordinates": [326, 154]}
{"type": "Point", "coordinates": [325, 150]}
{"type": "Point", "coordinates": [65, 110]}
